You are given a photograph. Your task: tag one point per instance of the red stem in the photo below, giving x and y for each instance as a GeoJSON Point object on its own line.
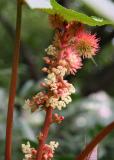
{"type": "Point", "coordinates": [12, 90]}
{"type": "Point", "coordinates": [95, 141]}
{"type": "Point", "coordinates": [45, 130]}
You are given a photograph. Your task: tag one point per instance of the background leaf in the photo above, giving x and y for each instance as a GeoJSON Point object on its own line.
{"type": "Point", "coordinates": [53, 7]}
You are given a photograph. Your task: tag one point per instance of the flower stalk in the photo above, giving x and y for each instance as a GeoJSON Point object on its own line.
{"type": "Point", "coordinates": [12, 90]}
{"type": "Point", "coordinates": [44, 133]}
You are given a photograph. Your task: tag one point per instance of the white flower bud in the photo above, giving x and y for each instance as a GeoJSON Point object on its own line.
{"type": "Point", "coordinates": [26, 106]}
{"type": "Point", "coordinates": [53, 145]}
{"type": "Point", "coordinates": [61, 104]}
{"type": "Point", "coordinates": [72, 89]}
{"type": "Point", "coordinates": [67, 99]}
{"type": "Point", "coordinates": [51, 50]}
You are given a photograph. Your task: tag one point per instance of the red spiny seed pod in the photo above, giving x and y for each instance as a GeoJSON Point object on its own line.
{"type": "Point", "coordinates": [86, 44]}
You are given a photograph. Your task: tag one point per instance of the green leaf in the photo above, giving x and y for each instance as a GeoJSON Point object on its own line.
{"type": "Point", "coordinates": [52, 7]}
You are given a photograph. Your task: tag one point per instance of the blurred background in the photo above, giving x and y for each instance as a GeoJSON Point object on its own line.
{"type": "Point", "coordinates": [93, 105]}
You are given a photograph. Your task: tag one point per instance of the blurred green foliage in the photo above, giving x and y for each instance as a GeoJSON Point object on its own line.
{"type": "Point", "coordinates": [88, 113]}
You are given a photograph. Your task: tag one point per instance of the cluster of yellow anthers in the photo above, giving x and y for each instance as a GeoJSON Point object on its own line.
{"type": "Point", "coordinates": [48, 151]}
{"type": "Point", "coordinates": [64, 56]}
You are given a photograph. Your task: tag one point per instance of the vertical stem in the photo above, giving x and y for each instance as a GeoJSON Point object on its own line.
{"type": "Point", "coordinates": [45, 130]}
{"type": "Point", "coordinates": [12, 91]}
{"type": "Point", "coordinates": [104, 132]}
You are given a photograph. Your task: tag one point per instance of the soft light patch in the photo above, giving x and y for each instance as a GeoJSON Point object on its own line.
{"type": "Point", "coordinates": [39, 4]}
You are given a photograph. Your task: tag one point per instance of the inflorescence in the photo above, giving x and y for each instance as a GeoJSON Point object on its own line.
{"type": "Point", "coordinates": [64, 57]}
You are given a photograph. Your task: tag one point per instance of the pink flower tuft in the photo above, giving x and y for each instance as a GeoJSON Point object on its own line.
{"type": "Point", "coordinates": [86, 44]}
{"type": "Point", "coordinates": [71, 60]}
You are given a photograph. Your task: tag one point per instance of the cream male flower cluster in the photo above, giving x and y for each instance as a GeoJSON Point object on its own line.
{"type": "Point", "coordinates": [48, 151]}
{"type": "Point", "coordinates": [64, 57]}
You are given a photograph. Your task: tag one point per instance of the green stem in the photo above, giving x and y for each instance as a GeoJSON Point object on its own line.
{"type": "Point", "coordinates": [12, 91]}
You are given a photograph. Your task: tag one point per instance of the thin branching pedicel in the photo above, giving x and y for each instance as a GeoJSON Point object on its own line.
{"type": "Point", "coordinates": [64, 56]}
